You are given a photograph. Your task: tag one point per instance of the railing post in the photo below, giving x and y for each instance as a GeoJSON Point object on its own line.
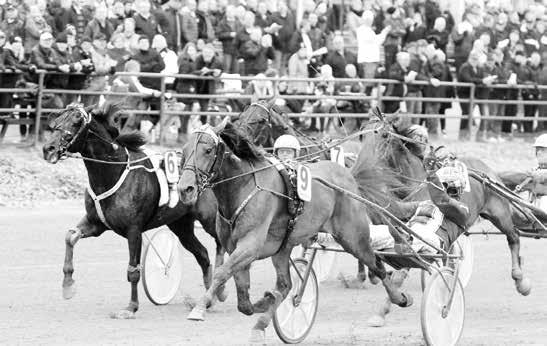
{"type": "Point", "coordinates": [38, 111]}
{"type": "Point", "coordinates": [471, 107]}
{"type": "Point", "coordinates": [162, 121]}
{"type": "Point", "coordinates": [379, 95]}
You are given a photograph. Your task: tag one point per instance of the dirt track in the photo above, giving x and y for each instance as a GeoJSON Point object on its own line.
{"type": "Point", "coordinates": [32, 310]}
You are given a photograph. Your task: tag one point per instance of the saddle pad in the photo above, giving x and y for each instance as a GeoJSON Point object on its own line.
{"type": "Point", "coordinates": [160, 174]}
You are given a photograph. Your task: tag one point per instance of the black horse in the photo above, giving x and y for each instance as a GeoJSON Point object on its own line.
{"type": "Point", "coordinates": [133, 208]}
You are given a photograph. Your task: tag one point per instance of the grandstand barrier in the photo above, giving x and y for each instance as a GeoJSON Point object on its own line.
{"type": "Point", "coordinates": [40, 112]}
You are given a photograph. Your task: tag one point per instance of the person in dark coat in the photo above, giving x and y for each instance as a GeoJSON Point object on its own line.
{"type": "Point", "coordinates": [243, 35]}
{"type": "Point", "coordinates": [149, 61]}
{"type": "Point", "coordinates": [206, 31]}
{"type": "Point", "coordinates": [398, 71]}
{"type": "Point", "coordinates": [146, 22]}
{"type": "Point", "coordinates": [439, 34]}
{"type": "Point", "coordinates": [207, 64]}
{"type": "Point", "coordinates": [256, 53]}
{"type": "Point", "coordinates": [226, 33]}
{"type": "Point", "coordinates": [282, 38]}
{"type": "Point", "coordinates": [338, 58]}
{"type": "Point", "coordinates": [463, 37]}
{"type": "Point", "coordinates": [416, 29]}
{"type": "Point", "coordinates": [435, 69]}
{"type": "Point", "coordinates": [12, 25]}
{"type": "Point", "coordinates": [532, 94]}
{"type": "Point", "coordinates": [171, 24]}
{"type": "Point", "coordinates": [99, 24]}
{"type": "Point", "coordinates": [73, 13]}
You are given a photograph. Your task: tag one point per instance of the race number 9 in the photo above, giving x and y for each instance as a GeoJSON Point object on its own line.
{"type": "Point", "coordinates": [171, 170]}
{"type": "Point", "coordinates": [303, 183]}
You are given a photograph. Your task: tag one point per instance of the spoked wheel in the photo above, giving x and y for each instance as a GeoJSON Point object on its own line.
{"type": "Point", "coordinates": [294, 319]}
{"type": "Point", "coordinates": [463, 246]}
{"type": "Point", "coordinates": [324, 264]}
{"type": "Point", "coordinates": [161, 267]}
{"type": "Point", "coordinates": [443, 326]}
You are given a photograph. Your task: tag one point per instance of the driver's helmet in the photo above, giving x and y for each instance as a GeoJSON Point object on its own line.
{"type": "Point", "coordinates": [287, 142]}
{"type": "Point", "coordinates": [453, 177]}
{"type": "Point", "coordinates": [541, 141]}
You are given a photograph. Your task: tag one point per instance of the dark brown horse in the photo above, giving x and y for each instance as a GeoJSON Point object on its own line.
{"type": "Point", "coordinates": [394, 151]}
{"type": "Point", "coordinates": [253, 216]}
{"type": "Point", "coordinates": [133, 208]}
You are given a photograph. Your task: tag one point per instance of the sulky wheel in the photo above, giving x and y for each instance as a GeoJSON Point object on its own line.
{"type": "Point", "coordinates": [293, 321]}
{"type": "Point", "coordinates": [161, 267]}
{"type": "Point", "coordinates": [442, 326]}
{"type": "Point", "coordinates": [463, 246]}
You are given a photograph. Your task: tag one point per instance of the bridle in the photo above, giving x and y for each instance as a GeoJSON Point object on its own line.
{"type": "Point", "coordinates": [205, 178]}
{"type": "Point", "coordinates": [65, 144]}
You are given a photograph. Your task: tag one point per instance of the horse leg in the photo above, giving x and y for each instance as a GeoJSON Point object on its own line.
{"type": "Point", "coordinates": [245, 253]}
{"type": "Point", "coordinates": [134, 240]}
{"type": "Point", "coordinates": [271, 300]}
{"type": "Point", "coordinates": [379, 319]}
{"type": "Point", "coordinates": [503, 221]}
{"type": "Point", "coordinates": [184, 229]}
{"type": "Point", "coordinates": [243, 284]}
{"type": "Point", "coordinates": [84, 229]}
{"type": "Point", "coordinates": [219, 260]}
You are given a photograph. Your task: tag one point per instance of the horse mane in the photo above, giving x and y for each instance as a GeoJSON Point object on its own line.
{"type": "Point", "coordinates": [132, 140]}
{"type": "Point", "coordinates": [238, 142]}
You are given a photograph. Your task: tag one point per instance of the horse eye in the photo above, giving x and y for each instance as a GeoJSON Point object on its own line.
{"type": "Point", "coordinates": [208, 150]}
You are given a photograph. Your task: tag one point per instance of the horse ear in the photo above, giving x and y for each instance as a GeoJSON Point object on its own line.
{"type": "Point", "coordinates": [376, 112]}
{"type": "Point", "coordinates": [220, 127]}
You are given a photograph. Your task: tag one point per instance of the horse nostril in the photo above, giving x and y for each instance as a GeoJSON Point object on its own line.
{"type": "Point", "coordinates": [189, 190]}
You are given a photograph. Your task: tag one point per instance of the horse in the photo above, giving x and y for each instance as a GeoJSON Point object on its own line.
{"type": "Point", "coordinates": [253, 221]}
{"type": "Point", "coordinates": [133, 208]}
{"type": "Point", "coordinates": [384, 144]}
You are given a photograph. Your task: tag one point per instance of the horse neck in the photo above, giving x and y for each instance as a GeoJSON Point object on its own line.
{"type": "Point", "coordinates": [233, 192]}
{"type": "Point", "coordinates": [103, 176]}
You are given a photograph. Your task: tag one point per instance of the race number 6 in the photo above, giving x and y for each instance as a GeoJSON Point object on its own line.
{"type": "Point", "coordinates": [303, 183]}
{"type": "Point", "coordinates": [171, 170]}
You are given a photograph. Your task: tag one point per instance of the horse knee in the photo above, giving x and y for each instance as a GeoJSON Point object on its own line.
{"type": "Point", "coordinates": [133, 273]}
{"type": "Point", "coordinates": [72, 236]}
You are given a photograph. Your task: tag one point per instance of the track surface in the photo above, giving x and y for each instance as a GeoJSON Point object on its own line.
{"type": "Point", "coordinates": [32, 310]}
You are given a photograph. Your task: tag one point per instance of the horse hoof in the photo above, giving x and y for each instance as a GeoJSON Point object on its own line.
{"type": "Point", "coordinates": [69, 291]}
{"type": "Point", "coordinates": [123, 315]}
{"type": "Point", "coordinates": [516, 274]}
{"type": "Point", "coordinates": [376, 321]}
{"type": "Point", "coordinates": [353, 283]}
{"type": "Point", "coordinates": [258, 337]}
{"type": "Point", "coordinates": [222, 296]}
{"type": "Point", "coordinates": [524, 286]}
{"type": "Point", "coordinates": [197, 314]}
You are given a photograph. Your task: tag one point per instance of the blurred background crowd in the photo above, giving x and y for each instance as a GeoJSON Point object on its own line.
{"type": "Point", "coordinates": [85, 42]}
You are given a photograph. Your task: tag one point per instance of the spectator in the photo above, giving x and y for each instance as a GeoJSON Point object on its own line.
{"type": "Point", "coordinates": [501, 29]}
{"type": "Point", "coordinates": [317, 35]}
{"type": "Point", "coordinates": [338, 57]}
{"type": "Point", "coordinates": [17, 51]}
{"type": "Point", "coordinates": [244, 35]}
{"type": "Point", "coordinates": [432, 12]}
{"type": "Point", "coordinates": [419, 52]}
{"type": "Point", "coordinates": [263, 19]}
{"type": "Point", "coordinates": [439, 34]}
{"type": "Point", "coordinates": [64, 57]}
{"type": "Point", "coordinates": [300, 38]}
{"type": "Point", "coordinates": [149, 61]}
{"type": "Point", "coordinates": [435, 70]}
{"type": "Point", "coordinates": [47, 9]}
{"type": "Point", "coordinates": [169, 57]}
{"type": "Point", "coordinates": [207, 64]}
{"type": "Point", "coordinates": [416, 29]}
{"type": "Point", "coordinates": [206, 31]}
{"type": "Point", "coordinates": [287, 105]}
{"type": "Point", "coordinates": [146, 22]}
{"type": "Point", "coordinates": [399, 71]}
{"type": "Point", "coordinates": [99, 24]}
{"type": "Point", "coordinates": [298, 68]}
{"type": "Point", "coordinates": [131, 38]}
{"type": "Point", "coordinates": [256, 53]}
{"type": "Point", "coordinates": [8, 63]}
{"type": "Point", "coordinates": [129, 10]}
{"type": "Point", "coordinates": [369, 45]}
{"type": "Point", "coordinates": [495, 67]}
{"type": "Point", "coordinates": [75, 13]}
{"type": "Point", "coordinates": [226, 32]}
{"type": "Point", "coordinates": [12, 25]}
{"type": "Point", "coordinates": [103, 66]}
{"type": "Point", "coordinates": [287, 20]}
{"type": "Point", "coordinates": [354, 19]}
{"type": "Point", "coordinates": [395, 35]}
{"type": "Point", "coordinates": [172, 25]}
{"type": "Point", "coordinates": [471, 72]}
{"type": "Point", "coordinates": [190, 23]}
{"type": "Point", "coordinates": [118, 52]}
{"type": "Point", "coordinates": [463, 38]}
{"type": "Point", "coordinates": [542, 80]}
{"type": "Point", "coordinates": [117, 15]}
{"type": "Point", "coordinates": [324, 88]}
{"type": "Point", "coordinates": [487, 27]}
{"type": "Point", "coordinates": [187, 65]}
{"type": "Point", "coordinates": [529, 33]}
{"type": "Point", "coordinates": [35, 24]}
{"type": "Point", "coordinates": [532, 94]}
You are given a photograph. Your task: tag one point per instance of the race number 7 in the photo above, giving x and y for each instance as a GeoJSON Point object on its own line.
{"type": "Point", "coordinates": [303, 183]}
{"type": "Point", "coordinates": [337, 155]}
{"type": "Point", "coordinates": [171, 169]}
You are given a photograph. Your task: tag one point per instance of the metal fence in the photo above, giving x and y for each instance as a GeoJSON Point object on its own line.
{"type": "Point", "coordinates": [39, 111]}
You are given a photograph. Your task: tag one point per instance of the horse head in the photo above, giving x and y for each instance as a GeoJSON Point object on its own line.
{"type": "Point", "coordinates": [71, 130]}
{"type": "Point", "coordinates": [263, 122]}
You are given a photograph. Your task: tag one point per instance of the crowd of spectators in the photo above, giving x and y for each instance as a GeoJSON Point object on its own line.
{"type": "Point", "coordinates": [85, 42]}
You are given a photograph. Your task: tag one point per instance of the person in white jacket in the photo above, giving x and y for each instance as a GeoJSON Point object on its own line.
{"type": "Point", "coordinates": [368, 44]}
{"type": "Point", "coordinates": [170, 59]}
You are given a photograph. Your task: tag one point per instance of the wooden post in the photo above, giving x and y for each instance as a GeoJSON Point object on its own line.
{"type": "Point", "coordinates": [162, 120]}
{"type": "Point", "coordinates": [38, 111]}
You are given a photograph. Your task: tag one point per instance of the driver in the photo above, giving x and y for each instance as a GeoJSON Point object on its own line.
{"type": "Point", "coordinates": [287, 148]}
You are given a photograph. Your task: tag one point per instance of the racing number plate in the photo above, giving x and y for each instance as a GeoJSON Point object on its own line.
{"type": "Point", "coordinates": [171, 168]}
{"type": "Point", "coordinates": [303, 183]}
{"type": "Point", "coordinates": [337, 155]}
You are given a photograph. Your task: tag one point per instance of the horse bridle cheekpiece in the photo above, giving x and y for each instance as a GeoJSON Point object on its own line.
{"type": "Point", "coordinates": [205, 178]}
{"type": "Point", "coordinates": [65, 144]}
